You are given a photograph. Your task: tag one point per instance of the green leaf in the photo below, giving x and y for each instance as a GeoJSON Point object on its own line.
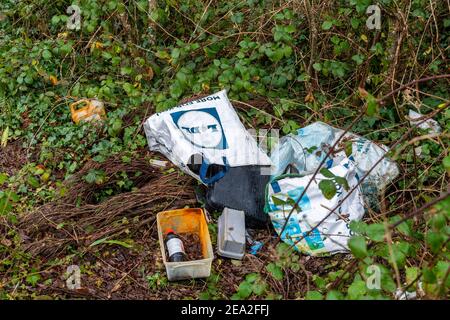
{"type": "Point", "coordinates": [348, 148]}
{"type": "Point", "coordinates": [334, 295]}
{"type": "Point", "coordinates": [326, 25]}
{"type": "Point", "coordinates": [326, 173]}
{"type": "Point", "coordinates": [176, 89]}
{"type": "Point", "coordinates": [244, 290]}
{"type": "Point", "coordinates": [428, 275]}
{"type": "Point", "coordinates": [358, 246]}
{"type": "Point", "coordinates": [438, 221]}
{"type": "Point", "coordinates": [259, 287]}
{"type": "Point", "coordinates": [95, 176]}
{"type": "Point", "coordinates": [46, 54]}
{"type": "Point", "coordinates": [313, 295]}
{"type": "Point", "coordinates": [411, 274]}
{"type": "Point", "coordinates": [3, 178]}
{"type": "Point", "coordinates": [32, 181]}
{"type": "Point", "coordinates": [375, 231]}
{"type": "Point", "coordinates": [372, 105]}
{"type": "Point", "coordinates": [33, 279]}
{"type": "Point", "coordinates": [357, 289]}
{"type": "Point", "coordinates": [328, 188]}
{"type": "Point", "coordinates": [317, 66]}
{"type": "Point", "coordinates": [251, 277]}
{"type": "Point", "coordinates": [276, 271]}
{"type": "Point", "coordinates": [358, 226]}
{"type": "Point", "coordinates": [342, 182]}
{"type": "Point", "coordinates": [105, 241]}
{"type": "Point", "coordinates": [403, 227]}
{"type": "Point", "coordinates": [446, 163]}
{"type": "Point", "coordinates": [278, 202]}
{"type": "Point", "coordinates": [435, 240]}
{"type": "Point", "coordinates": [358, 58]}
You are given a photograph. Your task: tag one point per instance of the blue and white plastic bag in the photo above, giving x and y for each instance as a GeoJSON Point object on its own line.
{"type": "Point", "coordinates": [353, 157]}
{"type": "Point", "coordinates": [306, 149]}
{"type": "Point", "coordinates": [208, 128]}
{"type": "Point", "coordinates": [332, 234]}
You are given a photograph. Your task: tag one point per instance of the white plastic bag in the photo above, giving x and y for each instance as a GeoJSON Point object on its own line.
{"type": "Point", "coordinates": [431, 125]}
{"type": "Point", "coordinates": [332, 234]}
{"type": "Point", "coordinates": [204, 132]}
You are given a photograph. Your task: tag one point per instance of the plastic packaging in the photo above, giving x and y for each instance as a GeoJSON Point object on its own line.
{"type": "Point", "coordinates": [231, 234]}
{"type": "Point", "coordinates": [302, 153]}
{"type": "Point", "coordinates": [306, 149]}
{"type": "Point", "coordinates": [242, 188]}
{"type": "Point", "coordinates": [205, 138]}
{"type": "Point", "coordinates": [93, 110]}
{"type": "Point", "coordinates": [431, 125]}
{"type": "Point", "coordinates": [186, 221]}
{"type": "Point", "coordinates": [332, 234]}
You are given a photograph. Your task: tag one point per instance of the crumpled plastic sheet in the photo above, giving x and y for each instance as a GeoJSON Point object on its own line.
{"type": "Point", "coordinates": [430, 124]}
{"type": "Point", "coordinates": [353, 158]}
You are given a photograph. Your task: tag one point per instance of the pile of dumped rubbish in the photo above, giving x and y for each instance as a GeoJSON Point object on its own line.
{"type": "Point", "coordinates": [310, 187]}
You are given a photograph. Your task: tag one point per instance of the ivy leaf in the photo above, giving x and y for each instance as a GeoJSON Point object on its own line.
{"type": "Point", "coordinates": [328, 188]}
{"type": "Point", "coordinates": [275, 271]}
{"type": "Point", "coordinates": [244, 290]}
{"type": "Point", "coordinates": [326, 25]}
{"type": "Point", "coordinates": [358, 246]}
{"type": "Point", "coordinates": [95, 176]}
{"type": "Point", "coordinates": [358, 58]}
{"type": "Point", "coordinates": [317, 66]}
{"type": "Point", "coordinates": [46, 54]}
{"type": "Point", "coordinates": [259, 287]}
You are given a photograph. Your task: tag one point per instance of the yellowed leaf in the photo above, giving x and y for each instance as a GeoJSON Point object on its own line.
{"type": "Point", "coordinates": [53, 80]}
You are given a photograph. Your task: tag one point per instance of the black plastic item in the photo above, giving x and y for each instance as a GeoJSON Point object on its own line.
{"type": "Point", "coordinates": [242, 188]}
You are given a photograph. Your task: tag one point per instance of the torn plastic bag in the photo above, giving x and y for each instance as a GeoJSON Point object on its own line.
{"type": "Point", "coordinates": [332, 234]}
{"type": "Point", "coordinates": [204, 138]}
{"type": "Point", "coordinates": [242, 188]}
{"type": "Point", "coordinates": [431, 125]}
{"type": "Point", "coordinates": [309, 146]}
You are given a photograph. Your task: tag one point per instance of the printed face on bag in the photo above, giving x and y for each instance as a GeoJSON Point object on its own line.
{"type": "Point", "coordinates": [201, 127]}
